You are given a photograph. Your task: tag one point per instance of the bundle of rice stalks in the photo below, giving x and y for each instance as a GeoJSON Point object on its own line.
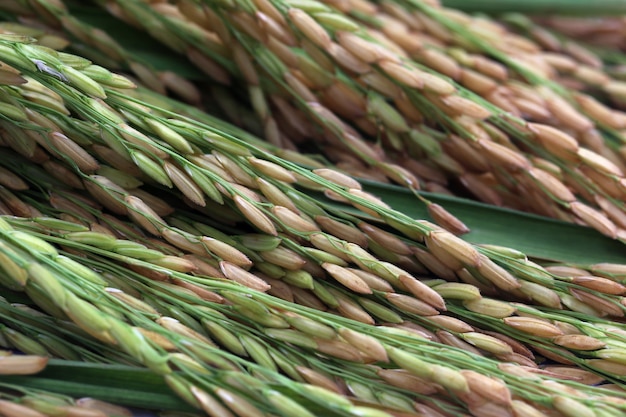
{"type": "Point", "coordinates": [134, 235]}
{"type": "Point", "coordinates": [476, 106]}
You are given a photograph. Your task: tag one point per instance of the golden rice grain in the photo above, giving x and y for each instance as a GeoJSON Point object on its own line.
{"type": "Point", "coordinates": [347, 278]}
{"type": "Point", "coordinates": [488, 387]}
{"type": "Point", "coordinates": [364, 343]}
{"type": "Point", "coordinates": [275, 196]}
{"type": "Point", "coordinates": [255, 215]}
{"type": "Point", "coordinates": [594, 218]}
{"type": "Point", "coordinates": [533, 326]}
{"type": "Point", "coordinates": [347, 60]}
{"type": "Point", "coordinates": [602, 304]}
{"type": "Point", "coordinates": [403, 74]}
{"type": "Point", "coordinates": [447, 220]}
{"type": "Point", "coordinates": [405, 380]}
{"type": "Point", "coordinates": [490, 307]}
{"type": "Point", "coordinates": [579, 342]}
{"type": "Point", "coordinates": [556, 141]}
{"type": "Point", "coordinates": [12, 409]}
{"type": "Point", "coordinates": [552, 185]}
{"type": "Point", "coordinates": [318, 379]}
{"type": "Point", "coordinates": [22, 364]}
{"type": "Point", "coordinates": [600, 284]}
{"type": "Point", "coordinates": [338, 349]}
{"type": "Point", "coordinates": [455, 247]}
{"type": "Point", "coordinates": [309, 27]}
{"type": "Point", "coordinates": [292, 220]}
{"type": "Point", "coordinates": [433, 264]}
{"type": "Point", "coordinates": [243, 277]}
{"type": "Point", "coordinates": [144, 216]}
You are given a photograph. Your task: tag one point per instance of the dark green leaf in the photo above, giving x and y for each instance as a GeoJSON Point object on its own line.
{"type": "Point", "coordinates": [123, 385]}
{"type": "Point", "coordinates": [537, 236]}
{"type": "Point", "coordinates": [564, 7]}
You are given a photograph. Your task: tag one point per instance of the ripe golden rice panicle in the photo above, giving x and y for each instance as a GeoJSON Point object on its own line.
{"type": "Point", "coordinates": [273, 28]}
{"type": "Point", "coordinates": [330, 244]}
{"type": "Point", "coordinates": [372, 280]}
{"type": "Point", "coordinates": [365, 50]}
{"type": "Point", "coordinates": [199, 290]}
{"type": "Point", "coordinates": [350, 309]}
{"type": "Point", "coordinates": [227, 252]}
{"type": "Point", "coordinates": [184, 241]}
{"type": "Point", "coordinates": [553, 185]}
{"type": "Point", "coordinates": [208, 403]}
{"type": "Point", "coordinates": [284, 258]}
{"type": "Point", "coordinates": [566, 271]}
{"type": "Point", "coordinates": [575, 374]}
{"type": "Point", "coordinates": [307, 299]}
{"type": "Point", "coordinates": [400, 175]}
